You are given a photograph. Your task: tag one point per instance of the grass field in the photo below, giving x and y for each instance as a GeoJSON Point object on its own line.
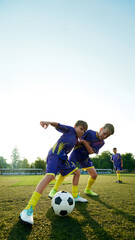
{"type": "Point", "coordinates": [109, 216]}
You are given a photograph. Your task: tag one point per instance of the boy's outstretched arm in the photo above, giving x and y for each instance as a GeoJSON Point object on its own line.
{"type": "Point", "coordinates": [45, 124]}
{"type": "Point", "coordinates": [87, 146]}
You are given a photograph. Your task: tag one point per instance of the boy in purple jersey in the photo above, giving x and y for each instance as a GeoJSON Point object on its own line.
{"type": "Point", "coordinates": [56, 160]}
{"type": "Point", "coordinates": [118, 164]}
{"type": "Point", "coordinates": [90, 143]}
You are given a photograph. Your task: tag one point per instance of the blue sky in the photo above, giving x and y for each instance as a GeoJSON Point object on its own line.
{"type": "Point", "coordinates": [63, 61]}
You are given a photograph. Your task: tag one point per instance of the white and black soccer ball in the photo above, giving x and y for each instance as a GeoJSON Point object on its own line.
{"type": "Point", "coordinates": [63, 203]}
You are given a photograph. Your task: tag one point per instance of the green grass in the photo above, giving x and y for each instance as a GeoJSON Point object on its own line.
{"type": "Point", "coordinates": [109, 216]}
{"type": "Point", "coordinates": [23, 180]}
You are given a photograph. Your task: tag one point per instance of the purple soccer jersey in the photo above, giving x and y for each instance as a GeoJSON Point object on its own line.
{"type": "Point", "coordinates": [57, 159]}
{"type": "Point", "coordinates": [65, 143]}
{"type": "Point", "coordinates": [116, 158]}
{"type": "Point", "coordinates": [95, 143]}
{"type": "Point", "coordinates": [80, 153]}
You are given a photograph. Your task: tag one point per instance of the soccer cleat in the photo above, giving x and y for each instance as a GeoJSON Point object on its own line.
{"type": "Point", "coordinates": [118, 181]}
{"type": "Point", "coordinates": [90, 192]}
{"type": "Point", "coordinates": [80, 199]}
{"type": "Point", "coordinates": [52, 193]}
{"type": "Point", "coordinates": [26, 216]}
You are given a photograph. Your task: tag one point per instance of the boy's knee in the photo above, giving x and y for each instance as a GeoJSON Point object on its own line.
{"type": "Point", "coordinates": [49, 177]}
{"type": "Point", "coordinates": [77, 172]}
{"type": "Point", "coordinates": [94, 175]}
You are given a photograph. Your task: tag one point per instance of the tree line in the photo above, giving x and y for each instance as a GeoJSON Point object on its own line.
{"type": "Point", "coordinates": [18, 163]}
{"type": "Point", "coordinates": [101, 161]}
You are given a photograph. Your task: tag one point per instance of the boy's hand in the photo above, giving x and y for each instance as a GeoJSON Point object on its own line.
{"type": "Point", "coordinates": [81, 141]}
{"type": "Point", "coordinates": [44, 124]}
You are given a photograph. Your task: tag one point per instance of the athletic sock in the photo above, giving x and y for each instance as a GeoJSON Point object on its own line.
{"type": "Point", "coordinates": [118, 177]}
{"type": "Point", "coordinates": [90, 183]}
{"type": "Point", "coordinates": [59, 181]}
{"type": "Point", "coordinates": [74, 191]}
{"type": "Point", "coordinates": [34, 200]}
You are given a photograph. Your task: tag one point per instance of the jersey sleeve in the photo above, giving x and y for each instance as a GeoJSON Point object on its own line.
{"type": "Point", "coordinates": [62, 128]}
{"type": "Point", "coordinates": [97, 147]}
{"type": "Point", "coordinates": [119, 156]}
{"type": "Point", "coordinates": [87, 136]}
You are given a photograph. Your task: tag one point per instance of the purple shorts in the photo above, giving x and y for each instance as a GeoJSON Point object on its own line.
{"type": "Point", "coordinates": [118, 168]}
{"type": "Point", "coordinates": [84, 163]}
{"type": "Point", "coordinates": [56, 164]}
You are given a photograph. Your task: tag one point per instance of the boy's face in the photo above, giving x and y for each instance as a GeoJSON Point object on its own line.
{"type": "Point", "coordinates": [115, 150]}
{"type": "Point", "coordinates": [104, 133]}
{"type": "Point", "coordinates": [80, 130]}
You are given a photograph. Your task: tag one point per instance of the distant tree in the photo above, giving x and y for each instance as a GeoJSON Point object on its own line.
{"type": "Point", "coordinates": [105, 160]}
{"type": "Point", "coordinates": [128, 161]}
{"type": "Point", "coordinates": [40, 163]}
{"type": "Point", "coordinates": [3, 163]}
{"type": "Point", "coordinates": [102, 161]}
{"type": "Point", "coordinates": [15, 158]}
{"type": "Point", "coordinates": [95, 161]}
{"type": "Point", "coordinates": [24, 163]}
{"type": "Point", "coordinates": [32, 165]}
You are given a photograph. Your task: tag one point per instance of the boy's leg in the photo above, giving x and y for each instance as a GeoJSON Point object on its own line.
{"type": "Point", "coordinates": [27, 214]}
{"type": "Point", "coordinates": [118, 177]}
{"type": "Point", "coordinates": [65, 169]}
{"type": "Point", "coordinates": [75, 183]}
{"type": "Point", "coordinates": [88, 165]}
{"type": "Point", "coordinates": [33, 200]}
{"type": "Point", "coordinates": [61, 179]}
{"type": "Point", "coordinates": [56, 186]}
{"type": "Point", "coordinates": [91, 180]}
{"type": "Point", "coordinates": [38, 191]}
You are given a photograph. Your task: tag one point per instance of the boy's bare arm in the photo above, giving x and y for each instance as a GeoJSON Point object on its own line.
{"type": "Point", "coordinates": [111, 159]}
{"type": "Point", "coordinates": [45, 124]}
{"type": "Point", "coordinates": [121, 162]}
{"type": "Point", "coordinates": [87, 146]}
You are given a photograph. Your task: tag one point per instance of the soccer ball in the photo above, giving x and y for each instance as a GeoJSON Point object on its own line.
{"type": "Point", "coordinates": [63, 203]}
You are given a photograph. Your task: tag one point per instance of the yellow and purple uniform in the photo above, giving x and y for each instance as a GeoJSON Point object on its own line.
{"type": "Point", "coordinates": [116, 158]}
{"type": "Point", "coordinates": [80, 153]}
{"type": "Point", "coordinates": [57, 159]}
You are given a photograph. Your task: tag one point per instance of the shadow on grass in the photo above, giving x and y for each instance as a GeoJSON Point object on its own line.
{"type": "Point", "coordinates": [20, 232]}
{"type": "Point", "coordinates": [124, 183]}
{"type": "Point", "coordinates": [97, 231]}
{"type": "Point", "coordinates": [116, 210]}
{"type": "Point", "coordinates": [65, 228]}
{"type": "Point", "coordinates": [71, 228]}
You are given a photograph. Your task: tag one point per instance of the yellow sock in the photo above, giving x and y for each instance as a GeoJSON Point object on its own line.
{"type": "Point", "coordinates": [90, 183]}
{"type": "Point", "coordinates": [74, 191]}
{"type": "Point", "coordinates": [118, 176]}
{"type": "Point", "coordinates": [58, 181]}
{"type": "Point", "coordinates": [33, 201]}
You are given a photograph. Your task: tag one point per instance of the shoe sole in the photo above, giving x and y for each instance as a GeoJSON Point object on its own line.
{"type": "Point", "coordinates": [49, 196]}
{"type": "Point", "coordinates": [91, 194]}
{"type": "Point", "coordinates": [25, 223]}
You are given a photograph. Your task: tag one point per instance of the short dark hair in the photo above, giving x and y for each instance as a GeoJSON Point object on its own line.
{"type": "Point", "coordinates": [114, 148]}
{"type": "Point", "coordinates": [110, 127]}
{"type": "Point", "coordinates": [81, 123]}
